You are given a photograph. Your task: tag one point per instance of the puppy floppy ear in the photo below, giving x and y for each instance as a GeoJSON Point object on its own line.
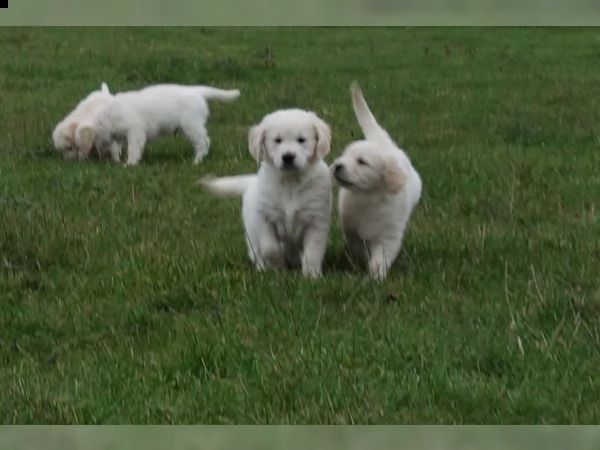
{"type": "Point", "coordinates": [256, 142]}
{"type": "Point", "coordinates": [394, 177]}
{"type": "Point", "coordinates": [323, 137]}
{"type": "Point", "coordinates": [84, 138]}
{"type": "Point", "coordinates": [71, 129]}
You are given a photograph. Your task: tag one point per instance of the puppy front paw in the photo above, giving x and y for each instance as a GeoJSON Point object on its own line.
{"type": "Point", "coordinates": [378, 270]}
{"type": "Point", "coordinates": [312, 272]}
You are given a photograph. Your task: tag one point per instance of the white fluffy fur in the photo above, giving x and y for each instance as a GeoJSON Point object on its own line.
{"type": "Point", "coordinates": [137, 117]}
{"type": "Point", "coordinates": [379, 190]}
{"type": "Point", "coordinates": [63, 135]}
{"type": "Point", "coordinates": [287, 205]}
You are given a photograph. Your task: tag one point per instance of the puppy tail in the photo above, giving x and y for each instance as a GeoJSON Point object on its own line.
{"type": "Point", "coordinates": [369, 125]}
{"type": "Point", "coordinates": [213, 93]}
{"type": "Point", "coordinates": [104, 88]}
{"type": "Point", "coordinates": [227, 186]}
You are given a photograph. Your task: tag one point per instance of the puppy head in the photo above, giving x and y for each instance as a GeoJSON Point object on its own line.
{"type": "Point", "coordinates": [367, 167]}
{"type": "Point", "coordinates": [291, 140]}
{"type": "Point", "coordinates": [63, 136]}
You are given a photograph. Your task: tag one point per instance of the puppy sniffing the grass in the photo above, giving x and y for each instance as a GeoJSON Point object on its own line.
{"type": "Point", "coordinates": [287, 205]}
{"type": "Point", "coordinates": [379, 188]}
{"type": "Point", "coordinates": [63, 135]}
{"type": "Point", "coordinates": [137, 117]}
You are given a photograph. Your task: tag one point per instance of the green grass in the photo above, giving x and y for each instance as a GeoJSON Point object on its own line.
{"type": "Point", "coordinates": [127, 296]}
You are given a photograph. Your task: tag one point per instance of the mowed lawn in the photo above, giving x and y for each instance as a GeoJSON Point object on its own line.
{"type": "Point", "coordinates": [127, 295]}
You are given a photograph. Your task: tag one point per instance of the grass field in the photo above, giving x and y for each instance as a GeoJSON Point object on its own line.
{"type": "Point", "coordinates": [127, 296]}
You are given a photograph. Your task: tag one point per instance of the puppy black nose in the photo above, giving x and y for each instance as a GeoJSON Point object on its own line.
{"type": "Point", "coordinates": [338, 168]}
{"type": "Point", "coordinates": [288, 158]}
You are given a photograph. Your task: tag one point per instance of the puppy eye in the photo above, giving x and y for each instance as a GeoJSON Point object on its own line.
{"type": "Point", "coordinates": [278, 140]}
{"type": "Point", "coordinates": [362, 162]}
{"type": "Point", "coordinates": [301, 140]}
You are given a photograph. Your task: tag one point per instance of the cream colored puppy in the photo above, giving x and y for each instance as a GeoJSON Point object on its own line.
{"type": "Point", "coordinates": [137, 117]}
{"type": "Point", "coordinates": [379, 190]}
{"type": "Point", "coordinates": [63, 135]}
{"type": "Point", "coordinates": [287, 205]}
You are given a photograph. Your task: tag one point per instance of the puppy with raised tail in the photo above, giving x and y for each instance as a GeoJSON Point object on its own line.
{"type": "Point", "coordinates": [287, 205]}
{"type": "Point", "coordinates": [379, 188]}
{"type": "Point", "coordinates": [63, 135]}
{"type": "Point", "coordinates": [137, 117]}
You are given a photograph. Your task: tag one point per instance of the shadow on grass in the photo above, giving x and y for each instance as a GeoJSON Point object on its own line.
{"type": "Point", "coordinates": [151, 158]}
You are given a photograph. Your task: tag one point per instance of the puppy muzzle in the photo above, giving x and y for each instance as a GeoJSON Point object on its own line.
{"type": "Point", "coordinates": [288, 161]}
{"type": "Point", "coordinates": [338, 171]}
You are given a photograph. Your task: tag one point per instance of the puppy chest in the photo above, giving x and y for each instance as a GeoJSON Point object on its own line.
{"type": "Point", "coordinates": [361, 219]}
{"type": "Point", "coordinates": [289, 222]}
{"type": "Point", "coordinates": [291, 225]}
{"type": "Point", "coordinates": [371, 223]}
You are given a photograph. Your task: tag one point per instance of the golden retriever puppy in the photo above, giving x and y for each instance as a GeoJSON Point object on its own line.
{"type": "Point", "coordinates": [286, 205]}
{"type": "Point", "coordinates": [379, 188]}
{"type": "Point", "coordinates": [138, 117]}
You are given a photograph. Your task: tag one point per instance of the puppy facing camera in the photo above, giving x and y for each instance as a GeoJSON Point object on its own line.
{"type": "Point", "coordinates": [290, 148]}
{"type": "Point", "coordinates": [286, 206]}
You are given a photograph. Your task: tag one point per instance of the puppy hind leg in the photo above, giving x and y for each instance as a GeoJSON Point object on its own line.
{"type": "Point", "coordinates": [202, 150]}
{"type": "Point", "coordinates": [198, 137]}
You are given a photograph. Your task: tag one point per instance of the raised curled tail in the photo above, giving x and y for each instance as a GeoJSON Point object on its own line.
{"type": "Point", "coordinates": [227, 186]}
{"type": "Point", "coordinates": [213, 93]}
{"type": "Point", "coordinates": [369, 125]}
